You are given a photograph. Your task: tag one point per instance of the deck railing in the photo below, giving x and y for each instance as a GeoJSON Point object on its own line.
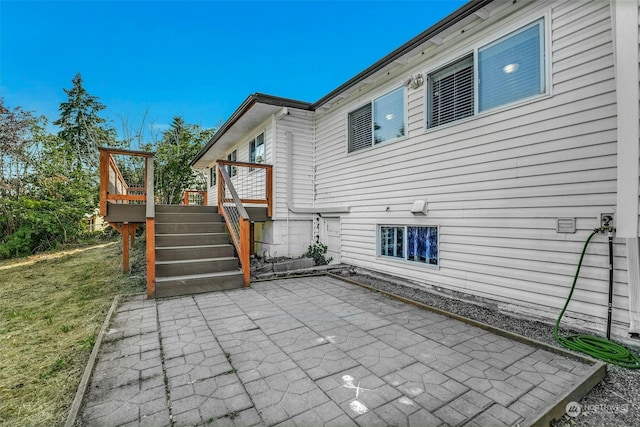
{"type": "Point", "coordinates": [122, 177]}
{"type": "Point", "coordinates": [253, 182]}
{"type": "Point", "coordinates": [240, 183]}
{"type": "Point", "coordinates": [130, 184]}
{"type": "Point", "coordinates": [195, 197]}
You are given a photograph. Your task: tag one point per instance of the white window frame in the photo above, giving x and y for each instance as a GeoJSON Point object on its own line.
{"type": "Point", "coordinates": [371, 103]}
{"type": "Point", "coordinates": [510, 30]}
{"type": "Point", "coordinates": [213, 177]}
{"type": "Point", "coordinates": [264, 143]}
{"type": "Point", "coordinates": [404, 259]}
{"type": "Point", "coordinates": [232, 170]}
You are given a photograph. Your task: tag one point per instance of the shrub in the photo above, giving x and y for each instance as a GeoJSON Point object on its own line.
{"type": "Point", "coordinates": [317, 251]}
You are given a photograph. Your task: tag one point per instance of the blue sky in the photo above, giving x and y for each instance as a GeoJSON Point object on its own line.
{"type": "Point", "coordinates": [196, 59]}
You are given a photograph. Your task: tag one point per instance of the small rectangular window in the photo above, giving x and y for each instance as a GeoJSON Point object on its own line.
{"type": "Point", "coordinates": [411, 243]}
{"type": "Point", "coordinates": [381, 120]}
{"type": "Point", "coordinates": [392, 241]}
{"type": "Point", "coordinates": [512, 68]}
{"type": "Point", "coordinates": [256, 149]}
{"type": "Point", "coordinates": [422, 245]}
{"type": "Point", "coordinates": [212, 176]}
{"type": "Point", "coordinates": [232, 157]}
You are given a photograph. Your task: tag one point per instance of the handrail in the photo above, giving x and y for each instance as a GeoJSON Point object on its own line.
{"type": "Point", "coordinates": [267, 190]}
{"type": "Point", "coordinates": [122, 193]}
{"type": "Point", "coordinates": [237, 222]}
{"type": "Point", "coordinates": [121, 189]}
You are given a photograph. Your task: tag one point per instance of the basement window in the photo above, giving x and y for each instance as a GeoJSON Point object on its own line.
{"type": "Point", "coordinates": [418, 244]}
{"type": "Point", "coordinates": [381, 120]}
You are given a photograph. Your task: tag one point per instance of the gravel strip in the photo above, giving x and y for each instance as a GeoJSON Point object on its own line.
{"type": "Point", "coordinates": [615, 401]}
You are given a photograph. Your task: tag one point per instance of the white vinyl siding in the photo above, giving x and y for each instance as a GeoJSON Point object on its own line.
{"type": "Point", "coordinates": [496, 182]}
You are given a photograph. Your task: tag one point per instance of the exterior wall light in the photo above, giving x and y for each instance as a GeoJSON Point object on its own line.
{"type": "Point", "coordinates": [414, 82]}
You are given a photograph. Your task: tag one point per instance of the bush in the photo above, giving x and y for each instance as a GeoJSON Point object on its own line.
{"type": "Point", "coordinates": [29, 226]}
{"type": "Point", "coordinates": [317, 251]}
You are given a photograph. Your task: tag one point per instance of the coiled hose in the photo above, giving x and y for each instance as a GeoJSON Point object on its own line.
{"type": "Point", "coordinates": [597, 347]}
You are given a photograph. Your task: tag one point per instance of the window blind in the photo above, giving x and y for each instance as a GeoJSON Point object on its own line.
{"type": "Point", "coordinates": [360, 133]}
{"type": "Point", "coordinates": [451, 92]}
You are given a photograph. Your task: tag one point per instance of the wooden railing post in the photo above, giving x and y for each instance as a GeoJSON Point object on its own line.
{"type": "Point", "coordinates": [104, 181]}
{"type": "Point", "coordinates": [268, 190]}
{"type": "Point", "coordinates": [150, 229]}
{"type": "Point", "coordinates": [125, 247]}
{"type": "Point", "coordinates": [244, 239]}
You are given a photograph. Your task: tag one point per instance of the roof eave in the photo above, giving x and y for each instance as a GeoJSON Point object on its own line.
{"type": "Point", "coordinates": [242, 109]}
{"type": "Point", "coordinates": [458, 15]}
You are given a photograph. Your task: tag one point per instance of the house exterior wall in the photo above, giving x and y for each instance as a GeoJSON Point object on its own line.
{"type": "Point", "coordinates": [288, 141]}
{"type": "Point", "coordinates": [294, 160]}
{"type": "Point", "coordinates": [495, 183]}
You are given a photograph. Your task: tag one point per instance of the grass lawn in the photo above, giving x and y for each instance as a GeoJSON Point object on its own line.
{"type": "Point", "coordinates": [52, 306]}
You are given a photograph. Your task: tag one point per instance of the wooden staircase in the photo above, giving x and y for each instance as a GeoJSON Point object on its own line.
{"type": "Point", "coordinates": [193, 252]}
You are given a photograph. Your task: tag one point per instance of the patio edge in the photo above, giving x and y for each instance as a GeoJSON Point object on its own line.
{"type": "Point", "coordinates": [88, 370]}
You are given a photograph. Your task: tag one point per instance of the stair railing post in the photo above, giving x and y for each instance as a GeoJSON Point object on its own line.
{"type": "Point", "coordinates": [244, 238]}
{"type": "Point", "coordinates": [150, 228]}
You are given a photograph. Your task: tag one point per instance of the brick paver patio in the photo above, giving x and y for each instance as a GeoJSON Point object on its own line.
{"type": "Point", "coordinates": [313, 352]}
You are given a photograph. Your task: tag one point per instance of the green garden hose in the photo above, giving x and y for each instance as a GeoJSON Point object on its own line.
{"type": "Point", "coordinates": [597, 347]}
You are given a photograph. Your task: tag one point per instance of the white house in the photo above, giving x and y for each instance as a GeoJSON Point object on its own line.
{"type": "Point", "coordinates": [475, 158]}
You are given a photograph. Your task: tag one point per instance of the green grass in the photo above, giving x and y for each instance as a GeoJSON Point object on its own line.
{"type": "Point", "coordinates": [52, 306]}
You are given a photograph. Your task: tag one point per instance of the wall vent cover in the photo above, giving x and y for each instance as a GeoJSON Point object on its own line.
{"type": "Point", "coordinates": [566, 225]}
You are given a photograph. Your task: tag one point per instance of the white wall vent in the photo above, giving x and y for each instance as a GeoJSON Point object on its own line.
{"type": "Point", "coordinates": [566, 225]}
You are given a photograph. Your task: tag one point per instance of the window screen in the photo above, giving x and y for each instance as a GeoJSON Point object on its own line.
{"type": "Point", "coordinates": [512, 68]}
{"type": "Point", "coordinates": [451, 93]}
{"type": "Point", "coordinates": [388, 122]}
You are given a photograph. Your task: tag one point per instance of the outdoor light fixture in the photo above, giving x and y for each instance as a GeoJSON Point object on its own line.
{"type": "Point", "coordinates": [389, 116]}
{"type": "Point", "coordinates": [414, 82]}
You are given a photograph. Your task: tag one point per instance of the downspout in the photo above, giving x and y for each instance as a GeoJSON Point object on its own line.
{"type": "Point", "coordinates": [299, 209]}
{"type": "Point", "coordinates": [624, 20]}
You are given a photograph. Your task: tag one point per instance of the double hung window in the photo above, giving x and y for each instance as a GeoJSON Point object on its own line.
{"type": "Point", "coordinates": [383, 119]}
{"type": "Point", "coordinates": [212, 176]}
{"type": "Point", "coordinates": [232, 157]}
{"type": "Point", "coordinates": [256, 149]}
{"type": "Point", "coordinates": [508, 70]}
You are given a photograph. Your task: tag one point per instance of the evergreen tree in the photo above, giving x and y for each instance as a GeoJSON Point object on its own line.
{"type": "Point", "coordinates": [82, 129]}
